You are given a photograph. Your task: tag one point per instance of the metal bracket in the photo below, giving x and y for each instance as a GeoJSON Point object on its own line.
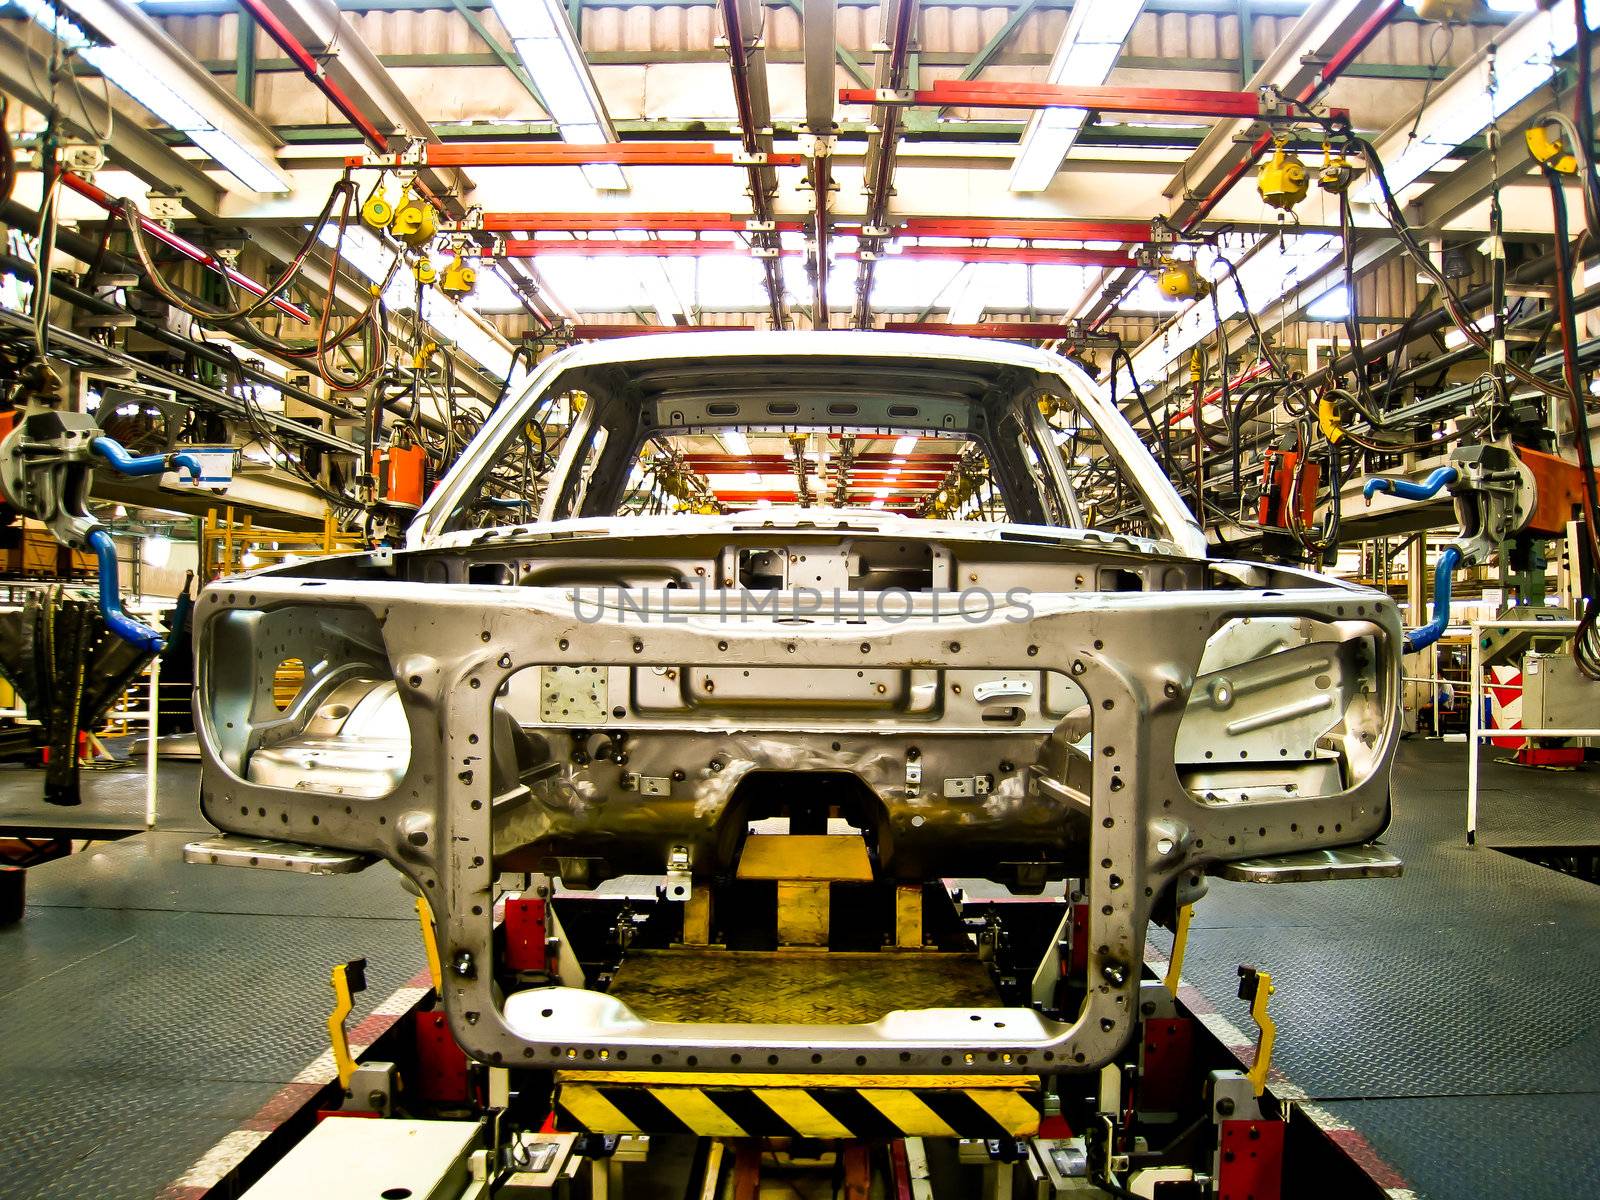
{"type": "Point", "coordinates": [680, 875]}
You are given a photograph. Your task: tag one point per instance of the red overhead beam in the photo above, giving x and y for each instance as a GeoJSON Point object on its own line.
{"type": "Point", "coordinates": [1061, 257]}
{"type": "Point", "coordinates": [558, 154]}
{"type": "Point", "coordinates": [1023, 331]}
{"type": "Point", "coordinates": [1065, 229]}
{"type": "Point", "coordinates": [529, 248]}
{"type": "Point", "coordinates": [793, 498]}
{"type": "Point", "coordinates": [182, 245]}
{"type": "Point", "coordinates": [311, 67]}
{"type": "Point", "coordinates": [1337, 62]}
{"type": "Point", "coordinates": [1175, 102]}
{"type": "Point", "coordinates": [597, 331]}
{"type": "Point", "coordinates": [686, 222]}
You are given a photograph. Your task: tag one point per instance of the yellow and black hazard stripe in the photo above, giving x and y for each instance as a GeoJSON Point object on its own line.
{"type": "Point", "coordinates": [818, 1106]}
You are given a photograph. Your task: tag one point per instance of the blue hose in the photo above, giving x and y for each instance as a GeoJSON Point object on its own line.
{"type": "Point", "coordinates": [119, 622]}
{"type": "Point", "coordinates": [1426, 490]}
{"type": "Point", "coordinates": [149, 464]}
{"type": "Point", "coordinates": [1426, 635]}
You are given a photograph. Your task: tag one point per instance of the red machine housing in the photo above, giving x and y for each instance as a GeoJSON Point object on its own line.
{"type": "Point", "coordinates": [1279, 499]}
{"type": "Point", "coordinates": [401, 472]}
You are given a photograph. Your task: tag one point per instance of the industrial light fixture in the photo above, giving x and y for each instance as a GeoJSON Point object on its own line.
{"type": "Point", "coordinates": [905, 445]}
{"type": "Point", "coordinates": [156, 551]}
{"type": "Point", "coordinates": [1492, 82]}
{"type": "Point", "coordinates": [1096, 30]}
{"type": "Point", "coordinates": [659, 291]}
{"type": "Point", "coordinates": [1332, 305]}
{"type": "Point", "coordinates": [545, 41]}
{"type": "Point", "coordinates": [735, 443]}
{"type": "Point", "coordinates": [119, 62]}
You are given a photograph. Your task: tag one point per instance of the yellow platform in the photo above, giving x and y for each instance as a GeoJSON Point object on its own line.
{"type": "Point", "coordinates": [796, 987]}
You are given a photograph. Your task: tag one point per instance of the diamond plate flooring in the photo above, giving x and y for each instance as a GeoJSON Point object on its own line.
{"type": "Point", "coordinates": [113, 800]}
{"type": "Point", "coordinates": [1450, 1015]}
{"type": "Point", "coordinates": [149, 1006]}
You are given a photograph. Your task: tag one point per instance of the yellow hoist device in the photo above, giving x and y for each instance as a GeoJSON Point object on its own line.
{"type": "Point", "coordinates": [1283, 179]}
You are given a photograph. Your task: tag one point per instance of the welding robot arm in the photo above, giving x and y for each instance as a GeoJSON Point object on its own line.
{"type": "Point", "coordinates": [46, 465]}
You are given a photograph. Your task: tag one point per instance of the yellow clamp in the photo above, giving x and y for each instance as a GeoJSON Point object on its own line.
{"type": "Point", "coordinates": [1328, 418]}
{"type": "Point", "coordinates": [1256, 987]}
{"type": "Point", "coordinates": [1337, 171]}
{"type": "Point", "coordinates": [430, 944]}
{"type": "Point", "coordinates": [348, 979]}
{"type": "Point", "coordinates": [1549, 148]}
{"type": "Point", "coordinates": [459, 277]}
{"type": "Point", "coordinates": [1180, 943]}
{"type": "Point", "coordinates": [424, 353]}
{"type": "Point", "coordinates": [377, 212]}
{"type": "Point", "coordinates": [1283, 180]}
{"type": "Point", "coordinates": [413, 222]}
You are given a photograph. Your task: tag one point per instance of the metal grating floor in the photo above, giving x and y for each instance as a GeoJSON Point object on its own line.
{"type": "Point", "coordinates": [1450, 1016]}
{"type": "Point", "coordinates": [150, 1007]}
{"type": "Point", "coordinates": [113, 801]}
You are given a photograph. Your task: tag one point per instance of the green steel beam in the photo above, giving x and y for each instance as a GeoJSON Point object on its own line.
{"type": "Point", "coordinates": [506, 59]}
{"type": "Point", "coordinates": [981, 59]}
{"type": "Point", "coordinates": [926, 59]}
{"type": "Point", "coordinates": [1247, 55]}
{"type": "Point", "coordinates": [244, 60]}
{"type": "Point", "coordinates": [1217, 7]}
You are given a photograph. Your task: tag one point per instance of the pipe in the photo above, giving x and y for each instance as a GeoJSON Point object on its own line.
{"type": "Point", "coordinates": [755, 141]}
{"type": "Point", "coordinates": [134, 632]}
{"type": "Point", "coordinates": [1406, 489]}
{"type": "Point", "coordinates": [1431, 322]}
{"type": "Point", "coordinates": [183, 246]}
{"type": "Point", "coordinates": [95, 304]}
{"type": "Point", "coordinates": [887, 118]}
{"type": "Point", "coordinates": [1424, 636]}
{"type": "Point", "coordinates": [147, 464]}
{"type": "Point", "coordinates": [312, 69]}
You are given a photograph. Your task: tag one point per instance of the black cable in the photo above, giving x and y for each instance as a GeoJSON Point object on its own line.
{"type": "Point", "coordinates": [1585, 650]}
{"type": "Point", "coordinates": [1226, 398]}
{"type": "Point", "coordinates": [1159, 433]}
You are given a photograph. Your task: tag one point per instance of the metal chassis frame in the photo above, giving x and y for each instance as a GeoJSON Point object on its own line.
{"type": "Point", "coordinates": [1135, 655]}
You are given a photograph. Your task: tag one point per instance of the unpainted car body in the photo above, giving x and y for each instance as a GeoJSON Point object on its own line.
{"type": "Point", "coordinates": [587, 695]}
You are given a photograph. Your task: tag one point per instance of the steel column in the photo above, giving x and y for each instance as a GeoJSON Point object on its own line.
{"type": "Point", "coordinates": [747, 60]}
{"type": "Point", "coordinates": [898, 25]}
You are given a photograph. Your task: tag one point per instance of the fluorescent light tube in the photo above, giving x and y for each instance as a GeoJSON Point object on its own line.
{"type": "Point", "coordinates": [735, 443]}
{"type": "Point", "coordinates": [905, 445]}
{"type": "Point", "coordinates": [152, 92]}
{"type": "Point", "coordinates": [1096, 30]}
{"type": "Point", "coordinates": [545, 42]}
{"type": "Point", "coordinates": [658, 289]}
{"type": "Point", "coordinates": [1332, 305]}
